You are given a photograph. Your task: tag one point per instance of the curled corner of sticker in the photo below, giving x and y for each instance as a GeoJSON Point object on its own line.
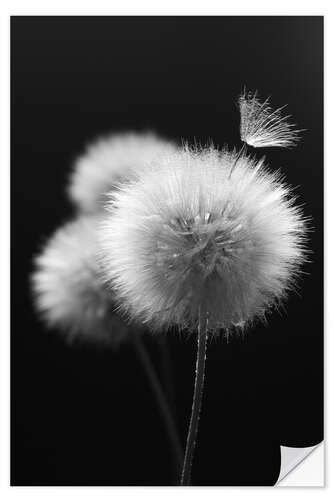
{"type": "Point", "coordinates": [302, 466]}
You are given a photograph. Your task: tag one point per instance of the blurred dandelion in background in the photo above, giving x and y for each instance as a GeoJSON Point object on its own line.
{"type": "Point", "coordinates": [68, 290]}
{"type": "Point", "coordinates": [111, 159]}
{"type": "Point", "coordinates": [263, 127]}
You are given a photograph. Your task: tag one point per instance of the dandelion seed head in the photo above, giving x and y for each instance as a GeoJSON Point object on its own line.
{"type": "Point", "coordinates": [262, 127]}
{"type": "Point", "coordinates": [68, 290]}
{"type": "Point", "coordinates": [109, 160]}
{"type": "Point", "coordinates": [206, 229]}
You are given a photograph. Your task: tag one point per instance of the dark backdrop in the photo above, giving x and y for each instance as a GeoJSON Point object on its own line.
{"type": "Point", "coordinates": [86, 417]}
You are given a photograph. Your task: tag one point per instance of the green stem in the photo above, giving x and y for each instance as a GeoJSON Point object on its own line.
{"type": "Point", "coordinates": [163, 406]}
{"type": "Point", "coordinates": [197, 400]}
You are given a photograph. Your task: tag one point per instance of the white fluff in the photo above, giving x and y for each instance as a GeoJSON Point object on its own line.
{"type": "Point", "coordinates": [109, 160]}
{"type": "Point", "coordinates": [203, 230]}
{"type": "Point", "coordinates": [262, 127]}
{"type": "Point", "coordinates": [67, 286]}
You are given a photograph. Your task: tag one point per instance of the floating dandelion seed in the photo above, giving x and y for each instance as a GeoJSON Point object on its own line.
{"type": "Point", "coordinates": [67, 286]}
{"type": "Point", "coordinates": [110, 160]}
{"type": "Point", "coordinates": [201, 232]}
{"type": "Point", "coordinates": [262, 127]}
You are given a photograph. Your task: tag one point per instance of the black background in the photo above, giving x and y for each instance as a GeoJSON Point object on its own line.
{"type": "Point", "coordinates": [83, 416]}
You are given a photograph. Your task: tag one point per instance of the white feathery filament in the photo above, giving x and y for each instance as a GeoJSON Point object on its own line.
{"type": "Point", "coordinates": [262, 127]}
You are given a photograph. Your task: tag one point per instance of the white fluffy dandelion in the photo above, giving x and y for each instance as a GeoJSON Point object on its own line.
{"type": "Point", "coordinates": [209, 240]}
{"type": "Point", "coordinates": [202, 232]}
{"type": "Point", "coordinates": [262, 127]}
{"type": "Point", "coordinates": [67, 286]}
{"type": "Point", "coordinates": [109, 160]}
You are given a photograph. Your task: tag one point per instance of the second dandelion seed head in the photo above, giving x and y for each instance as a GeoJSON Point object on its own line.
{"type": "Point", "coordinates": [111, 159]}
{"type": "Point", "coordinates": [68, 290]}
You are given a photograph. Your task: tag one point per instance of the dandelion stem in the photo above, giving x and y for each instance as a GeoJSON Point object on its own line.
{"type": "Point", "coordinates": [163, 406]}
{"type": "Point", "coordinates": [197, 400]}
